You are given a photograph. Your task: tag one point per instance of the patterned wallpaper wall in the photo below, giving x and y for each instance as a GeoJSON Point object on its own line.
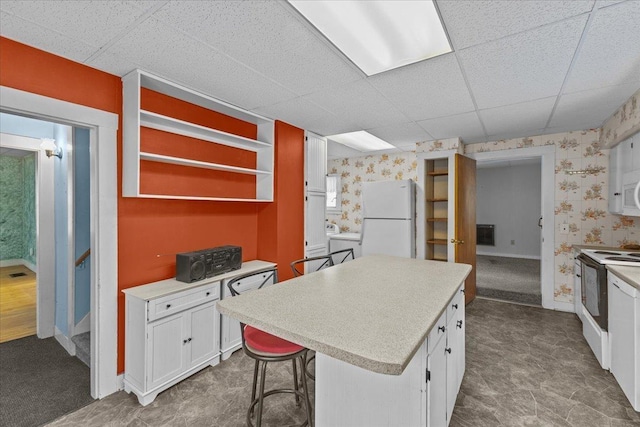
{"type": "Point", "coordinates": [623, 123]}
{"type": "Point", "coordinates": [580, 201]}
{"type": "Point", "coordinates": [11, 208]}
{"type": "Point", "coordinates": [17, 208]}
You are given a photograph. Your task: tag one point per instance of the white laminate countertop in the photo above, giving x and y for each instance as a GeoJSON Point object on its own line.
{"type": "Point", "coordinates": [631, 275]}
{"type": "Point", "coordinates": [373, 312]}
{"type": "Point", "coordinates": [171, 286]}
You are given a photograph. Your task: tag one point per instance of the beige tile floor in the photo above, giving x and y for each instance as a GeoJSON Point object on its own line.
{"type": "Point", "coordinates": [525, 367]}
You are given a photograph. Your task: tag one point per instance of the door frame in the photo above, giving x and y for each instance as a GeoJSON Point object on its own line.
{"type": "Point", "coordinates": [103, 127]}
{"type": "Point", "coordinates": [547, 156]}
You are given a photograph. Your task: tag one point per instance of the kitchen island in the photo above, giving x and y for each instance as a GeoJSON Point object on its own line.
{"type": "Point", "coordinates": [388, 332]}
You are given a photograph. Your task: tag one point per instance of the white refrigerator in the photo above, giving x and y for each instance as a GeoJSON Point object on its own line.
{"type": "Point", "coordinates": [388, 218]}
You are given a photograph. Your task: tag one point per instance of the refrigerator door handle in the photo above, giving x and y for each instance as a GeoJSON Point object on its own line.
{"type": "Point", "coordinates": [364, 221]}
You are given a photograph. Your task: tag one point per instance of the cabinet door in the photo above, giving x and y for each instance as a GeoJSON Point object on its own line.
{"type": "Point", "coordinates": [315, 233]}
{"type": "Point", "coordinates": [615, 180]}
{"type": "Point", "coordinates": [437, 385]}
{"type": "Point", "coordinates": [203, 338]}
{"type": "Point", "coordinates": [635, 151]}
{"type": "Point", "coordinates": [458, 329]}
{"type": "Point", "coordinates": [315, 159]}
{"type": "Point", "coordinates": [626, 155]}
{"type": "Point", "coordinates": [166, 345]}
{"type": "Point", "coordinates": [465, 220]}
{"type": "Point", "coordinates": [621, 338]}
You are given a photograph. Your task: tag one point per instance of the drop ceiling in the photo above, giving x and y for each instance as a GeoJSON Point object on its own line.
{"type": "Point", "coordinates": [518, 68]}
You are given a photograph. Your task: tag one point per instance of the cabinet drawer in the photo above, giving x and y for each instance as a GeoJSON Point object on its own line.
{"type": "Point", "coordinates": [175, 303]}
{"type": "Point", "coordinates": [437, 333]}
{"type": "Point", "coordinates": [457, 303]}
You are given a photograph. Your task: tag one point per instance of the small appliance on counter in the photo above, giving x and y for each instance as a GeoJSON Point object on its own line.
{"type": "Point", "coordinates": [205, 263]}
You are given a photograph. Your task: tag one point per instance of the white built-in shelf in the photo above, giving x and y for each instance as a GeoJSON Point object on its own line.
{"type": "Point", "coordinates": [134, 118]}
{"type": "Point", "coordinates": [198, 164]}
{"type": "Point", "coordinates": [180, 127]}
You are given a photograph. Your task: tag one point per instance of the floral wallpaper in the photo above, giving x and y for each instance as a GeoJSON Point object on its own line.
{"type": "Point", "coordinates": [624, 122]}
{"type": "Point", "coordinates": [354, 171]}
{"type": "Point", "coordinates": [580, 201]}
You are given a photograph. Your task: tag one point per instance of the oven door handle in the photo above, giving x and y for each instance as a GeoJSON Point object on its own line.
{"type": "Point", "coordinates": [588, 261]}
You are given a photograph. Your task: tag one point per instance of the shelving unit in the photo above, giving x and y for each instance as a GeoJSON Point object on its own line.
{"type": "Point", "coordinates": [134, 118]}
{"type": "Point", "coordinates": [437, 207]}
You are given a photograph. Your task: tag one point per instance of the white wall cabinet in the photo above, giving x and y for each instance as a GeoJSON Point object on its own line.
{"type": "Point", "coordinates": [624, 337]}
{"type": "Point", "coordinates": [624, 158]}
{"type": "Point", "coordinates": [134, 118]}
{"type": "Point", "coordinates": [315, 159]}
{"type": "Point", "coordinates": [168, 337]}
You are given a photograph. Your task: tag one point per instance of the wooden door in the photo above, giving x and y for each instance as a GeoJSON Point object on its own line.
{"type": "Point", "coordinates": [465, 220]}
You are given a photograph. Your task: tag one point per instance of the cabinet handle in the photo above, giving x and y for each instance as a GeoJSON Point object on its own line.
{"type": "Point", "coordinates": [616, 194]}
{"type": "Point", "coordinates": [168, 306]}
{"type": "Point", "coordinates": [448, 350]}
{"type": "Point", "coordinates": [463, 291]}
{"type": "Point", "coordinates": [441, 328]}
{"type": "Point", "coordinates": [454, 306]}
{"type": "Point", "coordinates": [208, 293]}
{"type": "Point", "coordinates": [577, 275]}
{"type": "Point", "coordinates": [459, 325]}
{"type": "Point", "coordinates": [189, 340]}
{"type": "Point", "coordinates": [185, 341]}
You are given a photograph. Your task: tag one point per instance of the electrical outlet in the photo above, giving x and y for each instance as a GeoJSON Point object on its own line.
{"type": "Point", "coordinates": [564, 228]}
{"type": "Point", "coordinates": [513, 242]}
{"type": "Point", "coordinates": [31, 251]}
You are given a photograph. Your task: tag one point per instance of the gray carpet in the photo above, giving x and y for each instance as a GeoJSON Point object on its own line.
{"type": "Point", "coordinates": [508, 279]}
{"type": "Point", "coordinates": [39, 382]}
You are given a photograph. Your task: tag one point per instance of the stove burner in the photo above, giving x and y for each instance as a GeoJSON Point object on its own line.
{"type": "Point", "coordinates": [622, 258]}
{"type": "Point", "coordinates": [635, 254]}
{"type": "Point", "coordinates": [607, 253]}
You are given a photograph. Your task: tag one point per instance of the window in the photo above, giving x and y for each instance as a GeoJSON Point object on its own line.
{"type": "Point", "coordinates": [333, 194]}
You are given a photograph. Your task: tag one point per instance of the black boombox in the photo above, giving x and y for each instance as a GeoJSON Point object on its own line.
{"type": "Point", "coordinates": [198, 265]}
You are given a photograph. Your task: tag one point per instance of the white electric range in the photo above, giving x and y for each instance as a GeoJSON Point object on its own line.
{"type": "Point", "coordinates": [613, 257]}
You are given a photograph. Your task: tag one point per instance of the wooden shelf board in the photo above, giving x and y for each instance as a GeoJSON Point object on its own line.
{"type": "Point", "coordinates": [180, 127]}
{"type": "Point", "coordinates": [438, 200]}
{"type": "Point", "coordinates": [198, 164]}
{"type": "Point", "coordinates": [438, 173]}
{"type": "Point", "coordinates": [437, 219]}
{"type": "Point", "coordinates": [437, 241]}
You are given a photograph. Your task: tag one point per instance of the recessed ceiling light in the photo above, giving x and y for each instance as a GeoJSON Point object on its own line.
{"type": "Point", "coordinates": [361, 141]}
{"type": "Point", "coordinates": [378, 36]}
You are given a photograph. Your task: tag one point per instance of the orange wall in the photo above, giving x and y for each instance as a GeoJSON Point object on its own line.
{"type": "Point", "coordinates": [150, 231]}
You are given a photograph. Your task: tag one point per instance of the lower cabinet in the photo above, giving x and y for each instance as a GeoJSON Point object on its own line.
{"type": "Point", "coordinates": [446, 362]}
{"type": "Point", "coordinates": [624, 337]}
{"type": "Point", "coordinates": [169, 337]}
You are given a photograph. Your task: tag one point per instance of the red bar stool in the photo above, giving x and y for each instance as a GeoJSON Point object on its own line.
{"type": "Point", "coordinates": [264, 348]}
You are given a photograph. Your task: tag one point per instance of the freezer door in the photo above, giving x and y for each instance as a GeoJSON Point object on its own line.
{"type": "Point", "coordinates": [388, 199]}
{"type": "Point", "coordinates": [388, 237]}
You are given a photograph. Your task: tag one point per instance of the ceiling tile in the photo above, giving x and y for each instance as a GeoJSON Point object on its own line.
{"type": "Point", "coordinates": [610, 52]}
{"type": "Point", "coordinates": [360, 103]}
{"type": "Point", "coordinates": [112, 63]}
{"type": "Point", "coordinates": [589, 109]}
{"type": "Point", "coordinates": [336, 151]}
{"type": "Point", "coordinates": [473, 22]}
{"type": "Point", "coordinates": [267, 37]}
{"type": "Point", "coordinates": [517, 118]}
{"type": "Point", "coordinates": [427, 89]}
{"type": "Point", "coordinates": [465, 126]}
{"type": "Point", "coordinates": [93, 22]}
{"type": "Point", "coordinates": [522, 67]}
{"type": "Point", "coordinates": [177, 57]}
{"type": "Point", "coordinates": [42, 38]}
{"type": "Point", "coordinates": [309, 116]}
{"type": "Point", "coordinates": [401, 134]}
{"type": "Point", "coordinates": [516, 134]}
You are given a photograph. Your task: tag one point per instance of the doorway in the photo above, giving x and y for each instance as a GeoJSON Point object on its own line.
{"type": "Point", "coordinates": [509, 236]}
{"type": "Point", "coordinates": [545, 155]}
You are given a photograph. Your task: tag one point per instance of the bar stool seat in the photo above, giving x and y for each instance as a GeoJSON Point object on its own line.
{"type": "Point", "coordinates": [263, 343]}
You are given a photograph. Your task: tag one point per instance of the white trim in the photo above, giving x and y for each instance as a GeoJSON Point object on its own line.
{"type": "Point", "coordinates": [84, 325]}
{"type": "Point", "coordinates": [31, 266]}
{"type": "Point", "coordinates": [45, 232]}
{"type": "Point", "coordinates": [508, 255]}
{"type": "Point", "coordinates": [65, 342]}
{"type": "Point", "coordinates": [547, 155]}
{"type": "Point", "coordinates": [569, 307]}
{"type": "Point", "coordinates": [104, 222]}
{"type": "Point", "coordinates": [120, 382]}
{"type": "Point", "coordinates": [12, 262]}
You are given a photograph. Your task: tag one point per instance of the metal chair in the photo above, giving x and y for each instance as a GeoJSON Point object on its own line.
{"type": "Point", "coordinates": [338, 257]}
{"type": "Point", "coordinates": [264, 348]}
{"type": "Point", "coordinates": [315, 263]}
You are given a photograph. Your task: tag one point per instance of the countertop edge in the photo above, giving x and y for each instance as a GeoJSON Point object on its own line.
{"type": "Point", "coordinates": [630, 275]}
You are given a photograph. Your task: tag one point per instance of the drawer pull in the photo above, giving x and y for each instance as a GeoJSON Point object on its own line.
{"type": "Point", "coordinates": [454, 306]}
{"type": "Point", "coordinates": [184, 341]}
{"type": "Point", "coordinates": [448, 350]}
{"type": "Point", "coordinates": [208, 293]}
{"type": "Point", "coordinates": [441, 328]}
{"type": "Point", "coordinates": [168, 306]}
{"type": "Point", "coordinates": [459, 324]}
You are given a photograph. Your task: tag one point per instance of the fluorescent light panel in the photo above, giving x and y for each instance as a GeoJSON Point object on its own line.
{"type": "Point", "coordinates": [361, 141]}
{"type": "Point", "coordinates": [379, 35]}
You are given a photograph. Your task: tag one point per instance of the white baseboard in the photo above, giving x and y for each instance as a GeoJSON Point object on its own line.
{"type": "Point", "coordinates": [65, 342]}
{"type": "Point", "coordinates": [569, 307]}
{"type": "Point", "coordinates": [84, 325]}
{"type": "Point", "coordinates": [13, 262]}
{"type": "Point", "coordinates": [508, 255]}
{"type": "Point", "coordinates": [120, 382]}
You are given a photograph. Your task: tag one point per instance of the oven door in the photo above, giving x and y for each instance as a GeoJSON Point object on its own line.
{"type": "Point", "coordinates": [594, 290]}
